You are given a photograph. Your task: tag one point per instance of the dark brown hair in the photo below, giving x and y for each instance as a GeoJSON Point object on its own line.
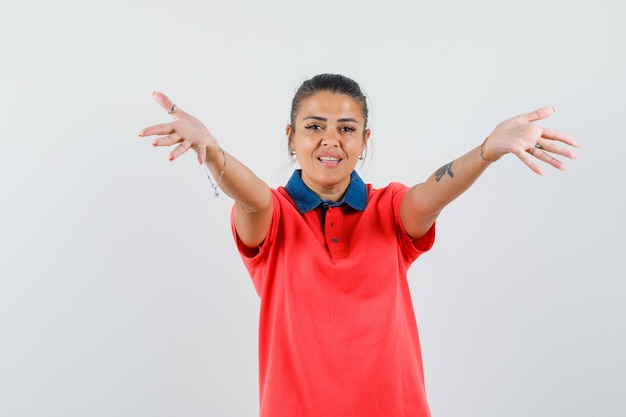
{"type": "Point", "coordinates": [333, 83]}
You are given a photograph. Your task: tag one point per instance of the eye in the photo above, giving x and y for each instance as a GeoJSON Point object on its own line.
{"type": "Point", "coordinates": [314, 126]}
{"type": "Point", "coordinates": [347, 129]}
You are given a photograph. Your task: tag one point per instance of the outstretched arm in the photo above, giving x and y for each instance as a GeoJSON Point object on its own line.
{"type": "Point", "coordinates": [529, 142]}
{"type": "Point", "coordinates": [253, 200]}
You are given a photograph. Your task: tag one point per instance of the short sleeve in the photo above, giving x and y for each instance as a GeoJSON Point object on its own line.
{"type": "Point", "coordinates": [411, 248]}
{"type": "Point", "coordinates": [256, 254]}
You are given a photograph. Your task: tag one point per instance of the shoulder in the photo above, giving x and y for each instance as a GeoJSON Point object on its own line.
{"type": "Point", "coordinates": [394, 191]}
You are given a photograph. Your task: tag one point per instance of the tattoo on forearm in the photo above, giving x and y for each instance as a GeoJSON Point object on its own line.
{"type": "Point", "coordinates": [442, 171]}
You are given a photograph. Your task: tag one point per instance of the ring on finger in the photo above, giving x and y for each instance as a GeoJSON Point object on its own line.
{"type": "Point", "coordinates": [172, 109]}
{"type": "Point", "coordinates": [532, 150]}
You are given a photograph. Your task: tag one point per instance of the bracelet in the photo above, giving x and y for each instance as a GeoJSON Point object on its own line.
{"type": "Point", "coordinates": [215, 186]}
{"type": "Point", "coordinates": [481, 152]}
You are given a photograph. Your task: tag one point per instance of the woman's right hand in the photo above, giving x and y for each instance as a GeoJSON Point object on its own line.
{"type": "Point", "coordinates": [186, 131]}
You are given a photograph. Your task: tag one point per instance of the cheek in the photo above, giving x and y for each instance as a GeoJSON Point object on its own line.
{"type": "Point", "coordinates": [306, 139]}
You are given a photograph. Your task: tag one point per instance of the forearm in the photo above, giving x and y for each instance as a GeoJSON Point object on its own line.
{"type": "Point", "coordinates": [423, 202]}
{"type": "Point", "coordinates": [236, 180]}
{"type": "Point", "coordinates": [253, 197]}
{"type": "Point", "coordinates": [450, 181]}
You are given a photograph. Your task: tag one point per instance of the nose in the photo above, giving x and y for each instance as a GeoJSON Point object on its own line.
{"type": "Point", "coordinates": [331, 138]}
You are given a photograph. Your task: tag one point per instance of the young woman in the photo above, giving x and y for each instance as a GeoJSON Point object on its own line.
{"type": "Point", "coordinates": [328, 254]}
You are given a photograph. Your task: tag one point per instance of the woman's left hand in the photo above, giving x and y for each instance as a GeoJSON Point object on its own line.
{"type": "Point", "coordinates": [529, 142]}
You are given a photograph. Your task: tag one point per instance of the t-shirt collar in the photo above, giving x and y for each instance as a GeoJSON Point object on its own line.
{"type": "Point", "coordinates": [306, 200]}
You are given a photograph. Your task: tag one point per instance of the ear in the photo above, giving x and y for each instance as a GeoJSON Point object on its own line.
{"type": "Point", "coordinates": [366, 137]}
{"type": "Point", "coordinates": [288, 133]}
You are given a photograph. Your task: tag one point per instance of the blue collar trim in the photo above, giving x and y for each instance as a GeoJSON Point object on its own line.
{"type": "Point", "coordinates": [306, 200]}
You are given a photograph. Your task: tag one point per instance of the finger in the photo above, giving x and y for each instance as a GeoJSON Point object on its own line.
{"type": "Point", "coordinates": [201, 151]}
{"type": "Point", "coordinates": [544, 156]}
{"type": "Point", "coordinates": [529, 161]}
{"type": "Point", "coordinates": [552, 134]}
{"type": "Point", "coordinates": [167, 140]}
{"type": "Point", "coordinates": [549, 146]}
{"type": "Point", "coordinates": [168, 105]}
{"type": "Point", "coordinates": [538, 114]}
{"type": "Point", "coordinates": [163, 100]}
{"type": "Point", "coordinates": [180, 149]}
{"type": "Point", "coordinates": [160, 129]}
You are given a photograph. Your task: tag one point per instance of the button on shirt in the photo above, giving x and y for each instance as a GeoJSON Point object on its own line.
{"type": "Point", "coordinates": [335, 225]}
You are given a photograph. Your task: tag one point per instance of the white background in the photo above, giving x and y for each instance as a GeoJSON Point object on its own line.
{"type": "Point", "coordinates": [121, 292]}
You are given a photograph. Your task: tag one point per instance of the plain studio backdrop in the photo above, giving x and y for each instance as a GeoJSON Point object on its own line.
{"type": "Point", "coordinates": [121, 291]}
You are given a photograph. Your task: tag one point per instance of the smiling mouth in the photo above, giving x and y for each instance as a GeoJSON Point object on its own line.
{"type": "Point", "coordinates": [328, 159]}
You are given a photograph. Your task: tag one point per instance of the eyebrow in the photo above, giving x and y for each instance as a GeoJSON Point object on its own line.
{"type": "Point", "coordinates": [323, 119]}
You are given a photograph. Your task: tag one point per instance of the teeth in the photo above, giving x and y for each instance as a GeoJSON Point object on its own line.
{"type": "Point", "coordinates": [328, 159]}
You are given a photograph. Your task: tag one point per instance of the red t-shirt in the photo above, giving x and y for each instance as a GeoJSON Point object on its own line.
{"type": "Point", "coordinates": [337, 330]}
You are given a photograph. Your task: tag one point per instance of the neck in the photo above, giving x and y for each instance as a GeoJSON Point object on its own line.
{"type": "Point", "coordinates": [332, 193]}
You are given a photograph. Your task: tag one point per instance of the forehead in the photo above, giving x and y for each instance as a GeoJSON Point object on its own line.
{"type": "Point", "coordinates": [331, 105]}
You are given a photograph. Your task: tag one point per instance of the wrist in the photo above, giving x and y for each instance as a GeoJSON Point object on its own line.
{"type": "Point", "coordinates": [213, 154]}
{"type": "Point", "coordinates": [484, 155]}
{"type": "Point", "coordinates": [218, 179]}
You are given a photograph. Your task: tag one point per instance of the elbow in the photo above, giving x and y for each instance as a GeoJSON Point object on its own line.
{"type": "Point", "coordinates": [257, 202]}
